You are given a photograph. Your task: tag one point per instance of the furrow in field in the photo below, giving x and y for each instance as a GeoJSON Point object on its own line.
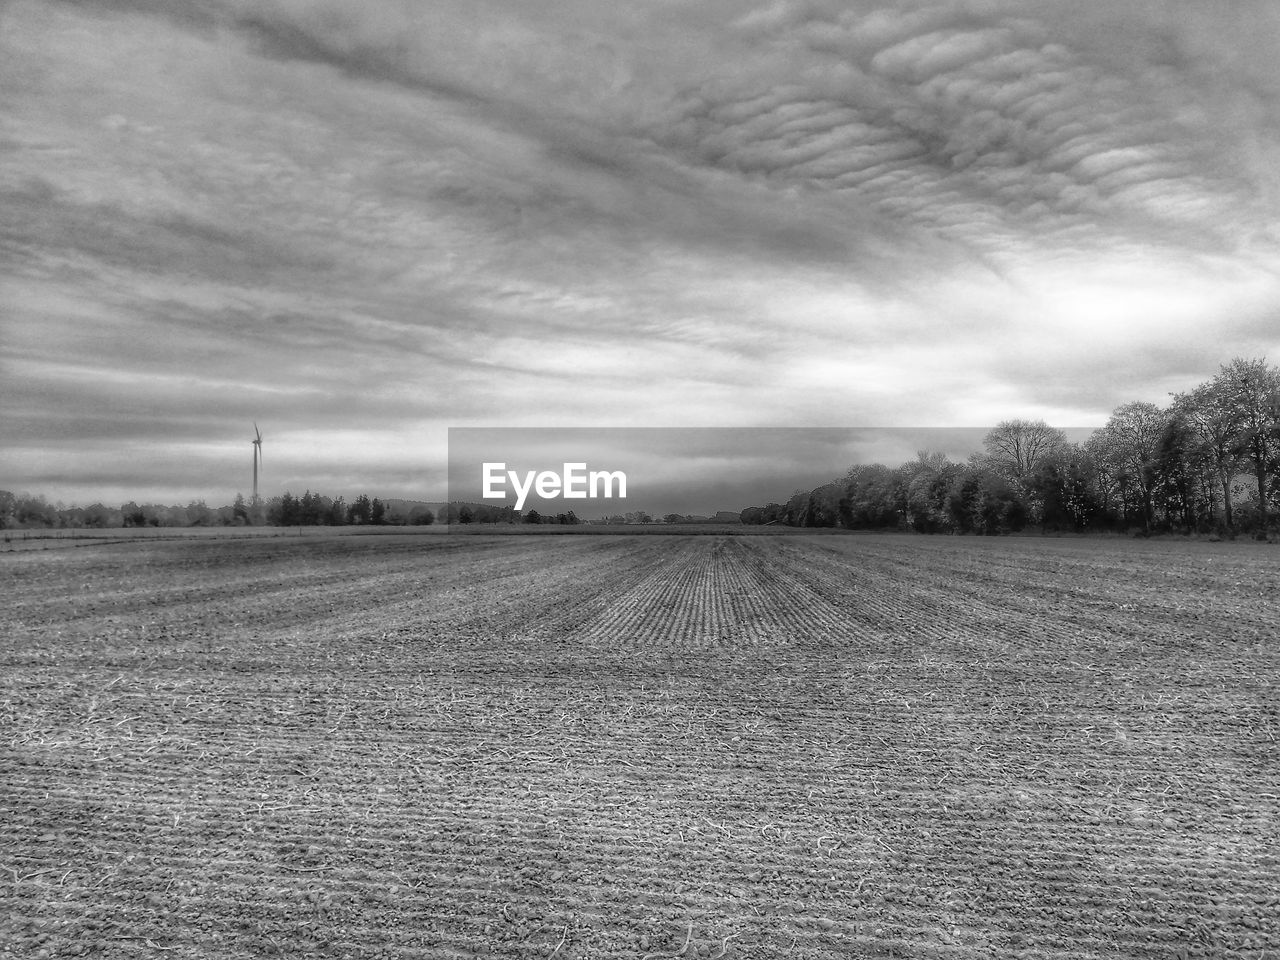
{"type": "Point", "coordinates": [711, 597]}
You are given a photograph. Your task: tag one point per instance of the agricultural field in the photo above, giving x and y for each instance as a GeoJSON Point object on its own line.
{"type": "Point", "coordinates": [640, 747]}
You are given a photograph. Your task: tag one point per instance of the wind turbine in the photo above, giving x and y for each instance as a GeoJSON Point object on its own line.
{"type": "Point", "coordinates": [257, 459]}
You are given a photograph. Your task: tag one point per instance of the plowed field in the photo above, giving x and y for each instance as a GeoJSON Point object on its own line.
{"type": "Point", "coordinates": [653, 746]}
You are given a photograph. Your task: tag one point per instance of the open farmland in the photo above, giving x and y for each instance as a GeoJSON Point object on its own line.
{"type": "Point", "coordinates": [613, 746]}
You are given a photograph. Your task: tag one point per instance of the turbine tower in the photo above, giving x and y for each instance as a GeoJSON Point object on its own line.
{"type": "Point", "coordinates": [257, 459]}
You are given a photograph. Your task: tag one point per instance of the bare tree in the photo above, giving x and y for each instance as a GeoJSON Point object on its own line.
{"type": "Point", "coordinates": [1016, 448]}
{"type": "Point", "coordinates": [1250, 393]}
{"type": "Point", "coordinates": [1095, 455]}
{"type": "Point", "coordinates": [1130, 442]}
{"type": "Point", "coordinates": [1206, 410]}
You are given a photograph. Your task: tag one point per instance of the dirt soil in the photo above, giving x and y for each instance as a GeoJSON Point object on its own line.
{"type": "Point", "coordinates": [660, 746]}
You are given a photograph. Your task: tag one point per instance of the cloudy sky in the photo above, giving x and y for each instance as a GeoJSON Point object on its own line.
{"type": "Point", "coordinates": [361, 224]}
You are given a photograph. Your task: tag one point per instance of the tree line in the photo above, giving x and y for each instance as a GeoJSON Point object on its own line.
{"type": "Point", "coordinates": [1208, 461]}
{"type": "Point", "coordinates": [310, 509]}
{"type": "Point", "coordinates": [482, 513]}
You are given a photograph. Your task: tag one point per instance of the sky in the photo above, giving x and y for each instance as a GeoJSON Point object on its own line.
{"type": "Point", "coordinates": [360, 225]}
